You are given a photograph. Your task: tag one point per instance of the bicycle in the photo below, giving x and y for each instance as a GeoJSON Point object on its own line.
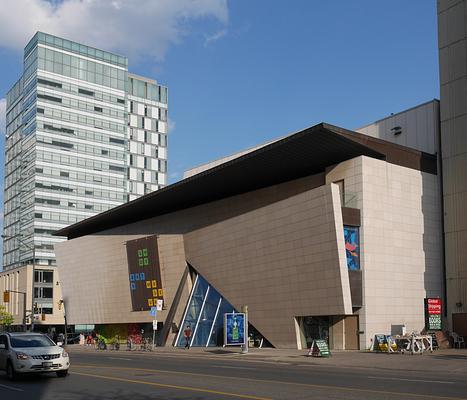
{"type": "Point", "coordinates": [146, 345]}
{"type": "Point", "coordinates": [101, 345]}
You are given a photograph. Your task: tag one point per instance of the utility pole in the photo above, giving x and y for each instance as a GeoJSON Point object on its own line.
{"type": "Point", "coordinates": [61, 303]}
{"type": "Point", "coordinates": [245, 346]}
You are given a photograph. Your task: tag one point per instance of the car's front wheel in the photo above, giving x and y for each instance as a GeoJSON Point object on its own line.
{"type": "Point", "coordinates": [10, 371]}
{"type": "Point", "coordinates": [62, 373]}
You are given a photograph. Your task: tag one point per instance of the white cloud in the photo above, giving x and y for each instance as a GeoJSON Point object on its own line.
{"type": "Point", "coordinates": [134, 27]}
{"type": "Point", "coordinates": [2, 115]}
{"type": "Point", "coordinates": [172, 125]}
{"type": "Point", "coordinates": [216, 36]}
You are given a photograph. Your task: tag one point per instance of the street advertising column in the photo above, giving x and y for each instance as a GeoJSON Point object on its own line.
{"type": "Point", "coordinates": [144, 273]}
{"type": "Point", "coordinates": [234, 329]}
{"type": "Point", "coordinates": [433, 309]}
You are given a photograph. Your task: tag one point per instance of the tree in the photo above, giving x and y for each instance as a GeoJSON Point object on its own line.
{"type": "Point", "coordinates": [6, 319]}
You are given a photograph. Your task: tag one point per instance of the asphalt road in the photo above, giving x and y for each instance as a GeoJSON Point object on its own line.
{"type": "Point", "coordinates": [121, 376]}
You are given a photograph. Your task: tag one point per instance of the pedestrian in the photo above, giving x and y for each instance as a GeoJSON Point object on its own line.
{"type": "Point", "coordinates": [187, 335]}
{"type": "Point", "coordinates": [61, 339]}
{"type": "Point", "coordinates": [81, 339]}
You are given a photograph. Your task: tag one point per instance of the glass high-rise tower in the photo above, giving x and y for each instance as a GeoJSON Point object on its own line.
{"type": "Point", "coordinates": [82, 136]}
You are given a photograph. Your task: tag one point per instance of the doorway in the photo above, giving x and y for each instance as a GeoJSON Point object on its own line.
{"type": "Point", "coordinates": [313, 328]}
{"type": "Point", "coordinates": [459, 323]}
{"type": "Point", "coordinates": [352, 341]}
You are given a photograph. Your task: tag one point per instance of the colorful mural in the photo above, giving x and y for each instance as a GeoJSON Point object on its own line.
{"type": "Point", "coordinates": [352, 247]}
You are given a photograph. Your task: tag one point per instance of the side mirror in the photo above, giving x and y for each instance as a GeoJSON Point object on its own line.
{"type": "Point", "coordinates": [2, 346]}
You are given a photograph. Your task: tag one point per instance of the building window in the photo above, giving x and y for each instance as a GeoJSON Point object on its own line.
{"type": "Point", "coordinates": [352, 247]}
{"type": "Point", "coordinates": [43, 293]}
{"type": "Point", "coordinates": [340, 184]}
{"type": "Point", "coordinates": [41, 276]}
{"type": "Point", "coordinates": [86, 92]}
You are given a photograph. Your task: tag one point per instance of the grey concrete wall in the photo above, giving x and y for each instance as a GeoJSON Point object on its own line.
{"type": "Point", "coordinates": [94, 278]}
{"type": "Point", "coordinates": [94, 271]}
{"type": "Point", "coordinates": [452, 38]}
{"type": "Point", "coordinates": [400, 239]}
{"type": "Point", "coordinates": [420, 128]}
{"type": "Point", "coordinates": [283, 260]}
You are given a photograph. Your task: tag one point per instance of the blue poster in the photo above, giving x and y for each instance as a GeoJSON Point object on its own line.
{"type": "Point", "coordinates": [234, 329]}
{"type": "Point", "coordinates": [352, 247]}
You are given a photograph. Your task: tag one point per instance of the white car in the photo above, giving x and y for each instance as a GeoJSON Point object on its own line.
{"type": "Point", "coordinates": [31, 352]}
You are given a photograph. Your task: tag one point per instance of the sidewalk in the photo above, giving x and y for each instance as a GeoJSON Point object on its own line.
{"type": "Point", "coordinates": [449, 360]}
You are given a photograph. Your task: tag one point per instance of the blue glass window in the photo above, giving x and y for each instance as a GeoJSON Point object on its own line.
{"type": "Point", "coordinates": [205, 316]}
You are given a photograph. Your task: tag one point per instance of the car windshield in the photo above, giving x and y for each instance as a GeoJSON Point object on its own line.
{"type": "Point", "coordinates": [31, 341]}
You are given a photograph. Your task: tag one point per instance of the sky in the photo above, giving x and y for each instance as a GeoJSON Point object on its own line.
{"type": "Point", "coordinates": [242, 72]}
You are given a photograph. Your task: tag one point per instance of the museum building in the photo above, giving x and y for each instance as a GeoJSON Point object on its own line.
{"type": "Point", "coordinates": [324, 234]}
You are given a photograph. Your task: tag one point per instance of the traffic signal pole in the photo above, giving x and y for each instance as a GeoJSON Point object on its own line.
{"type": "Point", "coordinates": [24, 305]}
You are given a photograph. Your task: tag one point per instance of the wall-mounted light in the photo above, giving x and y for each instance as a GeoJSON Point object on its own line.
{"type": "Point", "coordinates": [459, 304]}
{"type": "Point", "coordinates": [397, 130]}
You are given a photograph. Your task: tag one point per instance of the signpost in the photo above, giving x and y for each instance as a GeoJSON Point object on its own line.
{"type": "Point", "coordinates": [319, 348]}
{"type": "Point", "coordinates": [234, 329]}
{"type": "Point", "coordinates": [154, 329]}
{"type": "Point", "coordinates": [433, 307]}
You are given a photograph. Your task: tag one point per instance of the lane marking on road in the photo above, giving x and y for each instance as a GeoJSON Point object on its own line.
{"type": "Point", "coordinates": [310, 385]}
{"type": "Point", "coordinates": [119, 358]}
{"type": "Point", "coordinates": [234, 357]}
{"type": "Point", "coordinates": [408, 380]}
{"type": "Point", "coordinates": [12, 388]}
{"type": "Point", "coordinates": [164, 385]}
{"type": "Point", "coordinates": [231, 367]}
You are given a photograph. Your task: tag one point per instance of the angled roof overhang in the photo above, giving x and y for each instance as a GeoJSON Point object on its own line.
{"type": "Point", "coordinates": [304, 153]}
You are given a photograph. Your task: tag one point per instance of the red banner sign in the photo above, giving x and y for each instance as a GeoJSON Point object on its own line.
{"type": "Point", "coordinates": [433, 306]}
{"type": "Point", "coordinates": [433, 314]}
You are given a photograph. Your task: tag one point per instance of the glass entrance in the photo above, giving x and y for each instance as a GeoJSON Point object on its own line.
{"type": "Point", "coordinates": [313, 328]}
{"type": "Point", "coordinates": [204, 314]}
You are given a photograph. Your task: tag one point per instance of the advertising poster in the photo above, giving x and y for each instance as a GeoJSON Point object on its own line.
{"type": "Point", "coordinates": [234, 329]}
{"type": "Point", "coordinates": [352, 247]}
{"type": "Point", "coordinates": [433, 309]}
{"type": "Point", "coordinates": [144, 273]}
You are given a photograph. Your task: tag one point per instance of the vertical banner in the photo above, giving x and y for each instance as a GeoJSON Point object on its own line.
{"type": "Point", "coordinates": [433, 309]}
{"type": "Point", "coordinates": [144, 273]}
{"type": "Point", "coordinates": [234, 329]}
{"type": "Point", "coordinates": [352, 247]}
